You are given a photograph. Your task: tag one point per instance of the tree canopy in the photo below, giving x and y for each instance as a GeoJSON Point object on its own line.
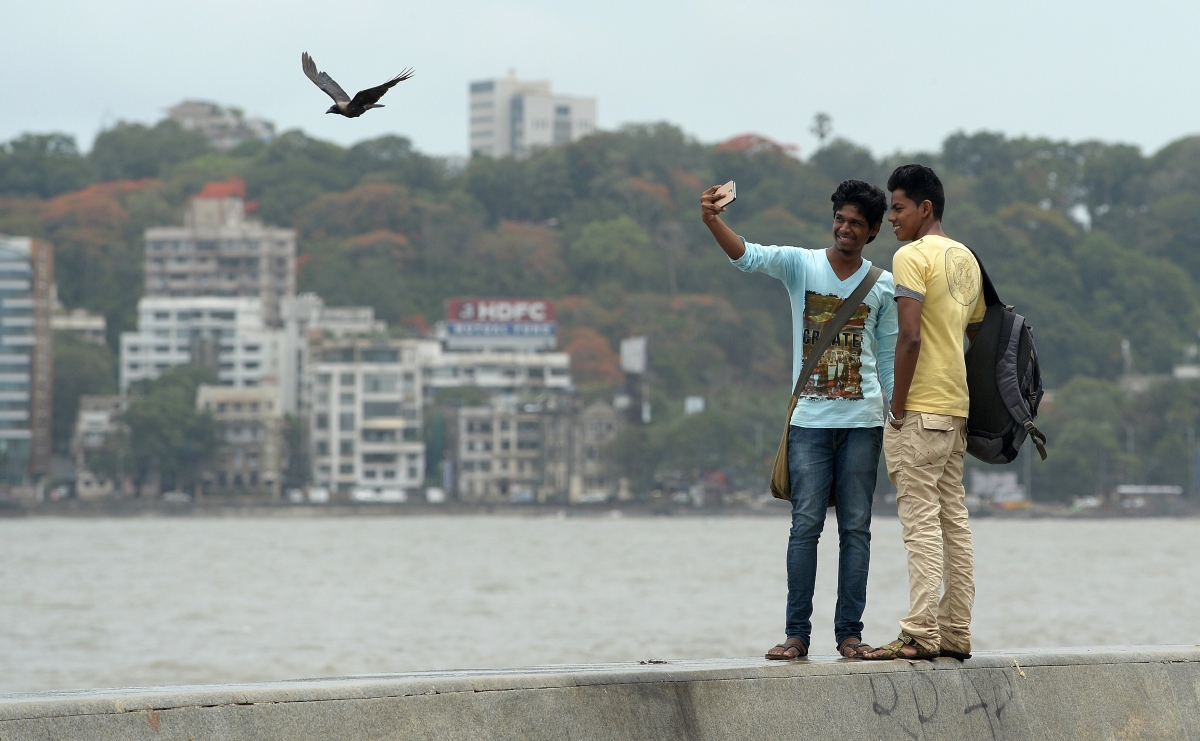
{"type": "Point", "coordinates": [1096, 243]}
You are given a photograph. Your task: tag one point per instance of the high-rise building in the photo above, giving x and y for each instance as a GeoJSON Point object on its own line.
{"type": "Point", "coordinates": [305, 314]}
{"type": "Point", "coordinates": [511, 117]}
{"type": "Point", "coordinates": [226, 335]}
{"type": "Point", "coordinates": [219, 252]}
{"type": "Point", "coordinates": [26, 358]}
{"type": "Point", "coordinates": [365, 424]}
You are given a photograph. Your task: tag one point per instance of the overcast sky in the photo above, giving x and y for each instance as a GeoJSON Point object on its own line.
{"type": "Point", "coordinates": [893, 75]}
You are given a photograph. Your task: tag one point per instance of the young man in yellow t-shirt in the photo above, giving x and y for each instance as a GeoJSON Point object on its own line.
{"type": "Point", "coordinates": [939, 304]}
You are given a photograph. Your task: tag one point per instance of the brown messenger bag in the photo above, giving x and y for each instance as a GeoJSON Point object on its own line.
{"type": "Point", "coordinates": [781, 477]}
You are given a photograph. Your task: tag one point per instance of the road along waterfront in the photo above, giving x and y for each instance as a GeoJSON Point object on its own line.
{"type": "Point", "coordinates": [120, 602]}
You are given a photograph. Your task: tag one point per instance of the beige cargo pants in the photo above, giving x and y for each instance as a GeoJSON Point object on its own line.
{"type": "Point", "coordinates": [925, 462]}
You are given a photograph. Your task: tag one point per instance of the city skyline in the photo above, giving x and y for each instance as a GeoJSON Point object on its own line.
{"type": "Point", "coordinates": [1024, 69]}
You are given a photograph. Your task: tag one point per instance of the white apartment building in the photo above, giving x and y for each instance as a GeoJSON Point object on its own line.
{"type": "Point", "coordinates": [305, 314]}
{"type": "Point", "coordinates": [224, 334]}
{"type": "Point", "coordinates": [511, 117]}
{"type": "Point", "coordinates": [219, 252]}
{"type": "Point", "coordinates": [491, 371]}
{"type": "Point", "coordinates": [365, 426]}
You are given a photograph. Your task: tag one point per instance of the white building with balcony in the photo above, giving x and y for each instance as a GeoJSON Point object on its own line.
{"type": "Point", "coordinates": [220, 252]}
{"type": "Point", "coordinates": [365, 424]}
{"type": "Point", "coordinates": [226, 335]}
{"type": "Point", "coordinates": [493, 372]}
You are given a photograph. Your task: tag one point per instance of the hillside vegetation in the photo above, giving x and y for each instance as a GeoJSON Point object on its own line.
{"type": "Point", "coordinates": [610, 227]}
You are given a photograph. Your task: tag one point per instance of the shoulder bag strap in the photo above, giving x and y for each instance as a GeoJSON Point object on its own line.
{"type": "Point", "coordinates": [834, 325]}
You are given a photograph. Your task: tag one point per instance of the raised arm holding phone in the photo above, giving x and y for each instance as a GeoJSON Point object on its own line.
{"type": "Point", "coordinates": [835, 431]}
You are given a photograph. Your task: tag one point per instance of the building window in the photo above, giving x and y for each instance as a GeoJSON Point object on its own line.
{"type": "Point", "coordinates": [389, 473]}
{"type": "Point", "coordinates": [376, 409]}
{"type": "Point", "coordinates": [322, 448]}
{"type": "Point", "coordinates": [379, 436]}
{"type": "Point", "coordinates": [412, 473]}
{"type": "Point", "coordinates": [322, 421]}
{"type": "Point", "coordinates": [379, 457]}
{"type": "Point", "coordinates": [345, 447]}
{"type": "Point", "coordinates": [380, 355]}
{"type": "Point", "coordinates": [346, 398]}
{"type": "Point", "coordinates": [346, 468]}
{"type": "Point", "coordinates": [346, 379]}
{"type": "Point", "coordinates": [346, 421]}
{"type": "Point", "coordinates": [324, 379]}
{"type": "Point", "coordinates": [376, 383]}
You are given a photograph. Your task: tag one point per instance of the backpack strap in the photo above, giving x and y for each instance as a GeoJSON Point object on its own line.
{"type": "Point", "coordinates": [990, 297]}
{"type": "Point", "coordinates": [831, 328]}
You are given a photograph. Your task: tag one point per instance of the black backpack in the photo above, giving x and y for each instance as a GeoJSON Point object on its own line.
{"type": "Point", "coordinates": [1004, 381]}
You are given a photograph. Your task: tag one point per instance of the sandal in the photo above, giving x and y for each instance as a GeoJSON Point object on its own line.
{"type": "Point", "coordinates": [789, 645]}
{"type": "Point", "coordinates": [895, 650]}
{"type": "Point", "coordinates": [854, 649]}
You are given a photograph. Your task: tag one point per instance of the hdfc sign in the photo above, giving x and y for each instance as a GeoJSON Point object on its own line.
{"type": "Point", "coordinates": [499, 310]}
{"type": "Point", "coordinates": [517, 323]}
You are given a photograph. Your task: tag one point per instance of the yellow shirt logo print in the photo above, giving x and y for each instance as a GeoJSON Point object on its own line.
{"type": "Point", "coordinates": [961, 275]}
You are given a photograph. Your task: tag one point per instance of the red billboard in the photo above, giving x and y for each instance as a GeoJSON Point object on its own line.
{"type": "Point", "coordinates": [500, 310]}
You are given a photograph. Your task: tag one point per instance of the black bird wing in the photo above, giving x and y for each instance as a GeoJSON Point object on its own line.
{"type": "Point", "coordinates": [323, 81]}
{"type": "Point", "coordinates": [371, 95]}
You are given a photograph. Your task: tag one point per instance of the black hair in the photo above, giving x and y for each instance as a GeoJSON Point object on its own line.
{"type": "Point", "coordinates": [920, 184]}
{"type": "Point", "coordinates": [868, 199]}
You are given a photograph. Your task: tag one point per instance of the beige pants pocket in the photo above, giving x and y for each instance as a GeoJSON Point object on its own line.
{"type": "Point", "coordinates": [934, 439]}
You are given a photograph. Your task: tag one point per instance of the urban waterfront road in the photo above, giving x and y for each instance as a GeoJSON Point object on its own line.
{"type": "Point", "coordinates": [119, 602]}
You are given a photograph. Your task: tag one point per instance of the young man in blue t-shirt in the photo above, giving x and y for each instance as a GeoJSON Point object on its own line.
{"type": "Point", "coordinates": [836, 431]}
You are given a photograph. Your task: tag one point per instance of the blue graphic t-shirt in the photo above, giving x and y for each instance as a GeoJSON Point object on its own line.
{"type": "Point", "coordinates": [844, 389]}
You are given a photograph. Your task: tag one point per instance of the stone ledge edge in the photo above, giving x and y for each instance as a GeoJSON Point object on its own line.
{"type": "Point", "coordinates": [76, 703]}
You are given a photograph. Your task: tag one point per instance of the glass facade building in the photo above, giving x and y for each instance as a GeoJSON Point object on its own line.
{"type": "Point", "coordinates": [26, 358]}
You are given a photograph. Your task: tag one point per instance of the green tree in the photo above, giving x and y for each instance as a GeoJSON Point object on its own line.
{"type": "Point", "coordinates": [615, 251]}
{"type": "Point", "coordinates": [131, 151]}
{"type": "Point", "coordinates": [167, 435]}
{"type": "Point", "coordinates": [297, 469]}
{"type": "Point", "coordinates": [1086, 430]}
{"type": "Point", "coordinates": [42, 166]}
{"type": "Point", "coordinates": [80, 367]}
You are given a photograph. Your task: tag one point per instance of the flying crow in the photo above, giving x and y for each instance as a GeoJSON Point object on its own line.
{"type": "Point", "coordinates": [343, 105]}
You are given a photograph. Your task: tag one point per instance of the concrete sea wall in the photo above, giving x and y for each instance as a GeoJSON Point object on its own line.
{"type": "Point", "coordinates": [1103, 693]}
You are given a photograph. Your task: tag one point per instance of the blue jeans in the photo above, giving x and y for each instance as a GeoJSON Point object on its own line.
{"type": "Point", "coordinates": [845, 461]}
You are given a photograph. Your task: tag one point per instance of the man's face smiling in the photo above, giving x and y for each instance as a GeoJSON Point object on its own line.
{"type": "Point", "coordinates": [851, 230]}
{"type": "Point", "coordinates": [904, 216]}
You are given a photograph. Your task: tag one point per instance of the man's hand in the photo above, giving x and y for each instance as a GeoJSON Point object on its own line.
{"type": "Point", "coordinates": [709, 210]}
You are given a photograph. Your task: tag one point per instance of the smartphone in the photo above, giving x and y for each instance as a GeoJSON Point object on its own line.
{"type": "Point", "coordinates": [726, 194]}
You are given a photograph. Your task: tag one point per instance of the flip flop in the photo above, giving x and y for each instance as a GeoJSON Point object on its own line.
{"type": "Point", "coordinates": [787, 645]}
{"type": "Point", "coordinates": [855, 648]}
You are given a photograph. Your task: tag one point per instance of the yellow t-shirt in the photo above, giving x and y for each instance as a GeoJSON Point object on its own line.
{"type": "Point", "coordinates": [945, 277]}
